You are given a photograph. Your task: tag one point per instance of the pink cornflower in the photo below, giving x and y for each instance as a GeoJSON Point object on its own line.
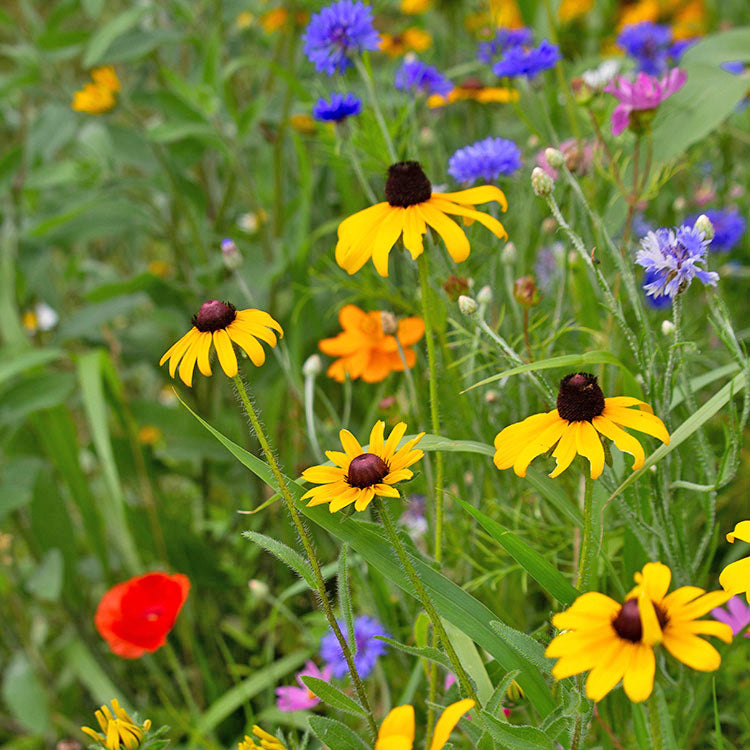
{"type": "Point", "coordinates": [644, 94]}
{"type": "Point", "coordinates": [292, 698]}
{"type": "Point", "coordinates": [736, 615]}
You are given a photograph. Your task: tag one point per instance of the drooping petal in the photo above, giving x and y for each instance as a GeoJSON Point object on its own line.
{"type": "Point", "coordinates": [187, 366]}
{"type": "Point", "coordinates": [447, 721]}
{"type": "Point", "coordinates": [625, 442]}
{"type": "Point", "coordinates": [387, 233]}
{"type": "Point", "coordinates": [225, 352]}
{"type": "Point", "coordinates": [455, 240]}
{"type": "Point", "coordinates": [488, 221]}
{"type": "Point", "coordinates": [638, 681]}
{"type": "Point", "coordinates": [609, 670]}
{"type": "Point", "coordinates": [177, 350]}
{"type": "Point", "coordinates": [250, 344]}
{"type": "Point", "coordinates": [565, 451]}
{"type": "Point", "coordinates": [538, 445]}
{"type": "Point", "coordinates": [510, 441]}
{"type": "Point", "coordinates": [345, 498]}
{"type": "Point", "coordinates": [637, 420]}
{"type": "Point", "coordinates": [628, 401]}
{"type": "Point", "coordinates": [692, 651]}
{"type": "Point", "coordinates": [589, 446]}
{"type": "Point", "coordinates": [735, 578]}
{"type": "Point", "coordinates": [475, 195]}
{"type": "Point", "coordinates": [259, 317]}
{"type": "Point", "coordinates": [204, 349]}
{"type": "Point", "coordinates": [364, 499]}
{"type": "Point", "coordinates": [414, 229]}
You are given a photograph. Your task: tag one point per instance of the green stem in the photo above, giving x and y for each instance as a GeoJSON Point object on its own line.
{"type": "Point", "coordinates": [367, 79]}
{"type": "Point", "coordinates": [179, 675]}
{"type": "Point", "coordinates": [307, 544]}
{"type": "Point", "coordinates": [674, 351]}
{"type": "Point", "coordinates": [653, 714]}
{"type": "Point", "coordinates": [585, 562]}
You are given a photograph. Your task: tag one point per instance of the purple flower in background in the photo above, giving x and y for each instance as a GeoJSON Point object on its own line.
{"type": "Point", "coordinates": [413, 517]}
{"type": "Point", "coordinates": [728, 226]}
{"type": "Point", "coordinates": [369, 649]}
{"type": "Point", "coordinates": [339, 108]}
{"type": "Point", "coordinates": [672, 257]}
{"type": "Point", "coordinates": [489, 51]}
{"type": "Point", "coordinates": [338, 31]}
{"type": "Point", "coordinates": [292, 698]}
{"type": "Point", "coordinates": [736, 67]}
{"type": "Point", "coordinates": [416, 76]}
{"type": "Point", "coordinates": [519, 61]}
{"type": "Point", "coordinates": [486, 159]}
{"type": "Point", "coordinates": [736, 615]}
{"type": "Point", "coordinates": [547, 266]}
{"type": "Point", "coordinates": [649, 43]}
{"type": "Point", "coordinates": [644, 94]}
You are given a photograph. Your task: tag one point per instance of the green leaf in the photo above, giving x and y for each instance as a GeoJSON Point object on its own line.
{"type": "Point", "coordinates": [495, 703]}
{"type": "Point", "coordinates": [286, 554]}
{"type": "Point", "coordinates": [471, 661]}
{"type": "Point", "coordinates": [658, 703]}
{"type": "Point", "coordinates": [345, 599]}
{"type": "Point", "coordinates": [33, 393]}
{"type": "Point", "coordinates": [331, 695]}
{"type": "Point", "coordinates": [423, 652]}
{"type": "Point", "coordinates": [524, 644]}
{"type": "Point", "coordinates": [14, 364]}
{"type": "Point", "coordinates": [80, 661]}
{"type": "Point", "coordinates": [24, 695]}
{"type": "Point", "coordinates": [334, 734]}
{"type": "Point", "coordinates": [46, 581]}
{"type": "Point", "coordinates": [541, 570]}
{"type": "Point", "coordinates": [104, 36]}
{"type": "Point", "coordinates": [514, 737]}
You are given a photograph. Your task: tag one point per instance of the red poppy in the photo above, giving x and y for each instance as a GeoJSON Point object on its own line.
{"type": "Point", "coordinates": [136, 616]}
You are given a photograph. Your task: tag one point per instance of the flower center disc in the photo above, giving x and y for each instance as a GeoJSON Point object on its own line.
{"type": "Point", "coordinates": [580, 398]}
{"type": "Point", "coordinates": [366, 470]}
{"type": "Point", "coordinates": [628, 625]}
{"type": "Point", "coordinates": [407, 184]}
{"type": "Point", "coordinates": [214, 315]}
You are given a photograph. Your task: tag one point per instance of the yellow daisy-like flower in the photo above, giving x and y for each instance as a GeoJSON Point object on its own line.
{"type": "Point", "coordinates": [735, 578]}
{"type": "Point", "coordinates": [412, 39]}
{"type": "Point", "coordinates": [397, 730]}
{"type": "Point", "coordinates": [616, 641]}
{"type": "Point", "coordinates": [569, 10]}
{"type": "Point", "coordinates": [474, 89]}
{"type": "Point", "coordinates": [93, 99]}
{"type": "Point", "coordinates": [415, 7]}
{"type": "Point", "coordinates": [359, 476]}
{"type": "Point", "coordinates": [266, 741]}
{"type": "Point", "coordinates": [411, 206]}
{"type": "Point", "coordinates": [119, 730]}
{"type": "Point", "coordinates": [222, 324]}
{"type": "Point", "coordinates": [105, 76]}
{"type": "Point", "coordinates": [582, 414]}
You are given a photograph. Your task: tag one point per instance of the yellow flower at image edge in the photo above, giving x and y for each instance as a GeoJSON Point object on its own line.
{"type": "Point", "coordinates": [98, 97]}
{"type": "Point", "coordinates": [221, 323]}
{"type": "Point", "coordinates": [411, 206]}
{"type": "Point", "coordinates": [119, 730]}
{"type": "Point", "coordinates": [616, 641]}
{"type": "Point", "coordinates": [266, 741]}
{"type": "Point", "coordinates": [358, 477]}
{"type": "Point", "coordinates": [582, 413]}
{"type": "Point", "coordinates": [397, 730]}
{"type": "Point", "coordinates": [735, 578]}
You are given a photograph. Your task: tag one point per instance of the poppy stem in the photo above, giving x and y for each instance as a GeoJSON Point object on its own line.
{"type": "Point", "coordinates": [309, 549]}
{"type": "Point", "coordinates": [583, 580]}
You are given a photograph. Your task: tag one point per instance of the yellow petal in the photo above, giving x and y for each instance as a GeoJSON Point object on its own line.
{"type": "Point", "coordinates": [538, 445]}
{"type": "Point", "coordinates": [609, 670]}
{"type": "Point", "coordinates": [398, 476]}
{"type": "Point", "coordinates": [225, 352]}
{"type": "Point", "coordinates": [414, 229]}
{"type": "Point", "coordinates": [338, 458]}
{"type": "Point", "coordinates": [323, 474]}
{"type": "Point", "coordinates": [510, 441]}
{"type": "Point", "coordinates": [176, 351]}
{"type": "Point", "coordinates": [447, 721]}
{"type": "Point", "coordinates": [187, 366]}
{"type": "Point", "coordinates": [638, 681]}
{"type": "Point", "coordinates": [254, 317]}
{"type": "Point", "coordinates": [204, 348]}
{"type": "Point", "coordinates": [627, 401]}
{"type": "Point", "coordinates": [692, 651]}
{"type": "Point", "coordinates": [589, 445]}
{"type": "Point", "coordinates": [489, 221]}
{"type": "Point", "coordinates": [376, 438]}
{"type": "Point", "coordinates": [637, 420]}
{"type": "Point", "coordinates": [345, 498]}
{"type": "Point", "coordinates": [740, 531]}
{"type": "Point", "coordinates": [565, 451]}
{"type": "Point", "coordinates": [649, 622]}
{"type": "Point", "coordinates": [365, 498]}
{"type": "Point", "coordinates": [735, 578]}
{"type": "Point", "coordinates": [398, 723]}
{"type": "Point", "coordinates": [385, 490]}
{"type": "Point", "coordinates": [393, 440]}
{"type": "Point", "coordinates": [360, 223]}
{"type": "Point", "coordinates": [681, 596]}
{"type": "Point", "coordinates": [455, 240]}
{"type": "Point", "coordinates": [250, 344]}
{"type": "Point", "coordinates": [700, 606]}
{"type": "Point", "coordinates": [654, 578]}
{"type": "Point", "coordinates": [481, 194]}
{"type": "Point", "coordinates": [387, 233]}
{"type": "Point", "coordinates": [259, 332]}
{"type": "Point", "coordinates": [350, 444]}
{"type": "Point", "coordinates": [720, 630]}
{"type": "Point", "coordinates": [625, 442]}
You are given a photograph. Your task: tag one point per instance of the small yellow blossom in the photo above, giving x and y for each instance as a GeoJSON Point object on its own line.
{"type": "Point", "coordinates": [105, 76]}
{"type": "Point", "coordinates": [413, 39]}
{"type": "Point", "coordinates": [272, 20]}
{"type": "Point", "coordinates": [119, 730]}
{"type": "Point", "coordinates": [302, 123]}
{"type": "Point", "coordinates": [266, 741]}
{"type": "Point", "coordinates": [149, 435]}
{"type": "Point", "coordinates": [159, 268]}
{"type": "Point", "coordinates": [93, 99]}
{"type": "Point", "coordinates": [415, 7]}
{"type": "Point", "coordinates": [244, 19]}
{"type": "Point", "coordinates": [570, 10]}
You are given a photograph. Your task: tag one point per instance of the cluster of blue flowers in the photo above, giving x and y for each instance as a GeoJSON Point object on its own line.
{"type": "Point", "coordinates": [527, 61]}
{"type": "Point", "coordinates": [338, 108]}
{"type": "Point", "coordinates": [490, 51]}
{"type": "Point", "coordinates": [652, 46]}
{"type": "Point", "coordinates": [339, 31]}
{"type": "Point", "coordinates": [418, 77]}
{"type": "Point", "coordinates": [486, 159]}
{"type": "Point", "coordinates": [368, 648]}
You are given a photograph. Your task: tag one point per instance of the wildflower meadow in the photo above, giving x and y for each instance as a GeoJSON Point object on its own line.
{"type": "Point", "coordinates": [374, 375]}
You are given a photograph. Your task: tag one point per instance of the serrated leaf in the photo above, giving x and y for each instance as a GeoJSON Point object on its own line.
{"type": "Point", "coordinates": [286, 554]}
{"type": "Point", "coordinates": [514, 737]}
{"type": "Point", "coordinates": [334, 734]}
{"type": "Point", "coordinates": [495, 703]}
{"type": "Point", "coordinates": [331, 695]}
{"type": "Point", "coordinates": [524, 645]}
{"type": "Point", "coordinates": [345, 599]}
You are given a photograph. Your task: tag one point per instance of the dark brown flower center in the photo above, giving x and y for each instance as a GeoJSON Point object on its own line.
{"type": "Point", "coordinates": [580, 398]}
{"type": "Point", "coordinates": [407, 184]}
{"type": "Point", "coordinates": [366, 470]}
{"type": "Point", "coordinates": [214, 315]}
{"type": "Point", "coordinates": [628, 625]}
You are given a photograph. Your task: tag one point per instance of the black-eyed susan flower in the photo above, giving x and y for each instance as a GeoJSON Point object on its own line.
{"type": "Point", "coordinates": [358, 476]}
{"type": "Point", "coordinates": [98, 97]}
{"type": "Point", "coordinates": [616, 641]}
{"type": "Point", "coordinates": [411, 206]}
{"type": "Point", "coordinates": [222, 324]}
{"type": "Point", "coordinates": [735, 578]}
{"type": "Point", "coordinates": [118, 729]}
{"type": "Point", "coordinates": [397, 730]}
{"type": "Point", "coordinates": [265, 741]}
{"type": "Point", "coordinates": [582, 414]}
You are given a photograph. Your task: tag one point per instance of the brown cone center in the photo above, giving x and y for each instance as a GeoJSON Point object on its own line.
{"type": "Point", "coordinates": [407, 184]}
{"type": "Point", "coordinates": [366, 470]}
{"type": "Point", "coordinates": [628, 624]}
{"type": "Point", "coordinates": [214, 315]}
{"type": "Point", "coordinates": [580, 398]}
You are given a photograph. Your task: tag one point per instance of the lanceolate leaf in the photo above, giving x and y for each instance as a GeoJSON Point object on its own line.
{"type": "Point", "coordinates": [332, 695]}
{"type": "Point", "coordinates": [286, 554]}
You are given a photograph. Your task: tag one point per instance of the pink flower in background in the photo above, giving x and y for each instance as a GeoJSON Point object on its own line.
{"type": "Point", "coordinates": [736, 615]}
{"type": "Point", "coordinates": [578, 159]}
{"type": "Point", "coordinates": [644, 94]}
{"type": "Point", "coordinates": [292, 698]}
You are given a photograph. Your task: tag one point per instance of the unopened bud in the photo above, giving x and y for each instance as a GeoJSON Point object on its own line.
{"type": "Point", "coordinates": [258, 588]}
{"type": "Point", "coordinates": [388, 323]}
{"type": "Point", "coordinates": [549, 225]}
{"type": "Point", "coordinates": [455, 286]}
{"type": "Point", "coordinates": [230, 254]}
{"type": "Point", "coordinates": [533, 141]}
{"type": "Point", "coordinates": [525, 292]}
{"type": "Point", "coordinates": [679, 204]}
{"type": "Point", "coordinates": [491, 396]}
{"type": "Point", "coordinates": [554, 158]}
{"type": "Point", "coordinates": [667, 327]}
{"type": "Point", "coordinates": [484, 295]}
{"type": "Point", "coordinates": [509, 254]}
{"type": "Point", "coordinates": [467, 305]}
{"type": "Point", "coordinates": [313, 366]}
{"type": "Point", "coordinates": [541, 182]}
{"type": "Point", "coordinates": [705, 227]}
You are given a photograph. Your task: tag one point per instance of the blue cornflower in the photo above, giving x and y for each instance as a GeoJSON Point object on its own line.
{"type": "Point", "coordinates": [487, 159]}
{"type": "Point", "coordinates": [339, 108]}
{"type": "Point", "coordinates": [368, 648]}
{"type": "Point", "coordinates": [652, 46]}
{"type": "Point", "coordinates": [339, 30]}
{"type": "Point", "coordinates": [736, 67]}
{"type": "Point", "coordinates": [672, 256]}
{"type": "Point", "coordinates": [728, 226]}
{"type": "Point", "coordinates": [489, 51]}
{"type": "Point", "coordinates": [414, 75]}
{"type": "Point", "coordinates": [518, 61]}
{"type": "Point", "coordinates": [658, 303]}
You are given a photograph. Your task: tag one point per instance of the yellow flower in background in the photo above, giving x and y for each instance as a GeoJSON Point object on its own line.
{"type": "Point", "coordinates": [105, 76]}
{"type": "Point", "coordinates": [616, 641]}
{"type": "Point", "coordinates": [415, 7]}
{"type": "Point", "coordinates": [357, 477]}
{"type": "Point", "coordinates": [159, 268]}
{"type": "Point", "coordinates": [222, 324]}
{"type": "Point", "coordinates": [244, 20]}
{"type": "Point", "coordinates": [266, 741]}
{"type": "Point", "coordinates": [149, 435]}
{"type": "Point", "coordinates": [735, 578]}
{"type": "Point", "coordinates": [474, 89]}
{"type": "Point", "coordinates": [119, 730]}
{"type": "Point", "coordinates": [505, 13]}
{"type": "Point", "coordinates": [411, 40]}
{"type": "Point", "coordinates": [397, 730]}
{"type": "Point", "coordinates": [687, 17]}
{"type": "Point", "coordinates": [272, 20]}
{"type": "Point", "coordinates": [302, 123]}
{"type": "Point", "coordinates": [569, 10]}
{"type": "Point", "coordinates": [98, 97]}
{"type": "Point", "coordinates": [582, 414]}
{"type": "Point", "coordinates": [411, 206]}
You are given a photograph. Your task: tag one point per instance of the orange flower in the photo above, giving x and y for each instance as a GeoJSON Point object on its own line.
{"type": "Point", "coordinates": [473, 88]}
{"type": "Point", "coordinates": [413, 39]}
{"type": "Point", "coordinates": [363, 348]}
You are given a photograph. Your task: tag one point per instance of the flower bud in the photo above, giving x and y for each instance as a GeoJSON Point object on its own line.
{"type": "Point", "coordinates": [230, 254]}
{"type": "Point", "coordinates": [388, 323]}
{"type": "Point", "coordinates": [455, 286]}
{"type": "Point", "coordinates": [509, 254]}
{"type": "Point", "coordinates": [258, 588]}
{"type": "Point", "coordinates": [313, 366]}
{"type": "Point", "coordinates": [705, 227]}
{"type": "Point", "coordinates": [548, 225]}
{"type": "Point", "coordinates": [667, 327]}
{"type": "Point", "coordinates": [525, 292]}
{"type": "Point", "coordinates": [484, 295]}
{"type": "Point", "coordinates": [491, 397]}
{"type": "Point", "coordinates": [541, 182]}
{"type": "Point", "coordinates": [467, 305]}
{"type": "Point", "coordinates": [554, 158]}
{"type": "Point", "coordinates": [679, 204]}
